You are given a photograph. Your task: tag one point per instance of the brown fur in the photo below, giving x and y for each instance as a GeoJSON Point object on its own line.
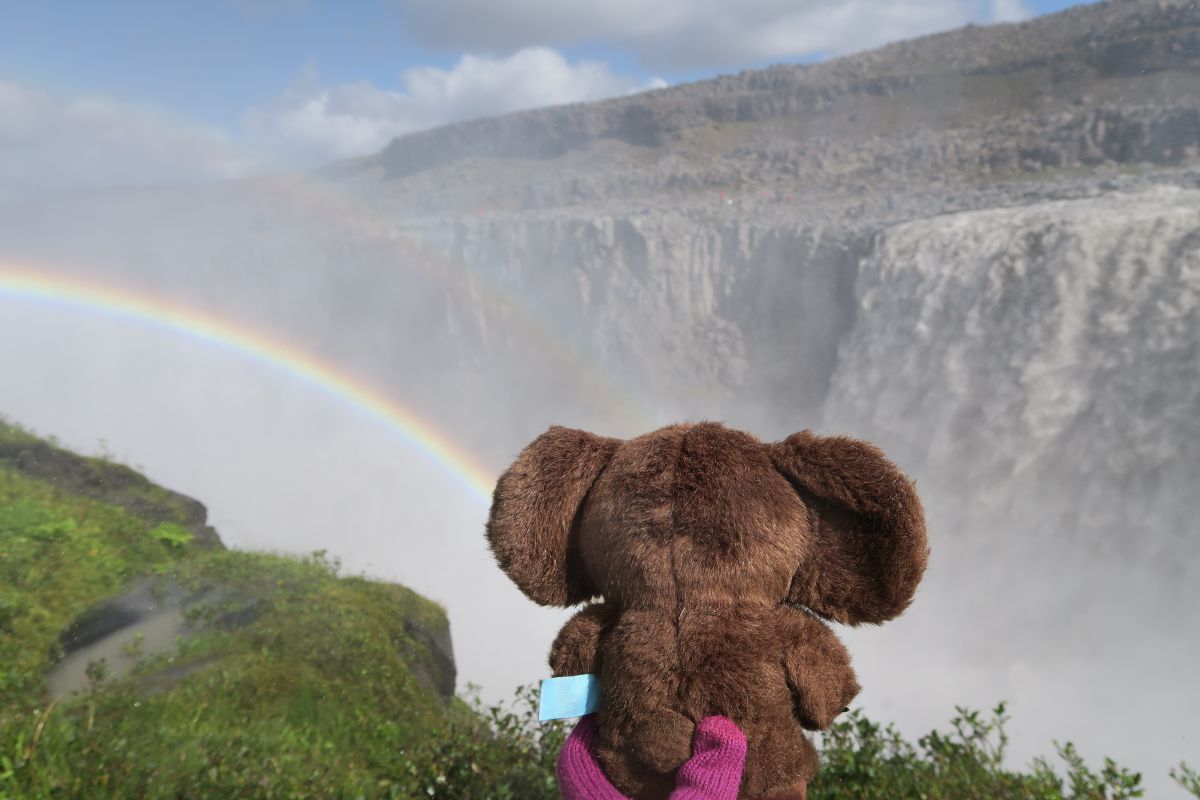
{"type": "Point", "coordinates": [713, 554]}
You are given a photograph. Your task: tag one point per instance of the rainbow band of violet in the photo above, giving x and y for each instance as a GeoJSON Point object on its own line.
{"type": "Point", "coordinates": [22, 282]}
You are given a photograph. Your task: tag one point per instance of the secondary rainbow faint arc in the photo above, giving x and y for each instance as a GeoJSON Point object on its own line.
{"type": "Point", "coordinates": [24, 281]}
{"type": "Point", "coordinates": [460, 276]}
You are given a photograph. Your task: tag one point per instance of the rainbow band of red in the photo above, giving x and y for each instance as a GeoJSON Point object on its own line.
{"type": "Point", "coordinates": [19, 282]}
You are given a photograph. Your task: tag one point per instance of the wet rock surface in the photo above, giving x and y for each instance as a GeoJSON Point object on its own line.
{"type": "Point", "coordinates": [155, 615]}
{"type": "Point", "coordinates": [150, 618]}
{"type": "Point", "coordinates": [434, 668]}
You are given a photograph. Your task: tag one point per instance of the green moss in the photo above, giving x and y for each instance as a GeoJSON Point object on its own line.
{"type": "Point", "coordinates": [59, 554]}
{"type": "Point", "coordinates": [325, 692]}
{"type": "Point", "coordinates": [171, 534]}
{"type": "Point", "coordinates": [316, 698]}
{"type": "Point", "coordinates": [14, 433]}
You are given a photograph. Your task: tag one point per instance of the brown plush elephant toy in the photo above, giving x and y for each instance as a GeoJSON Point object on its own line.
{"type": "Point", "coordinates": [707, 560]}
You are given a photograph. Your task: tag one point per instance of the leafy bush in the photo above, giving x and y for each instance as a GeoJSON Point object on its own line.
{"type": "Point", "coordinates": [1188, 778]}
{"type": "Point", "coordinates": [512, 756]}
{"type": "Point", "coordinates": [862, 760]}
{"type": "Point", "coordinates": [499, 751]}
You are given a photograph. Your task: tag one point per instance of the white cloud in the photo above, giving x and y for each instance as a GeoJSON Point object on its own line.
{"type": "Point", "coordinates": [309, 123]}
{"type": "Point", "coordinates": [691, 34]}
{"type": "Point", "coordinates": [50, 146]}
{"type": "Point", "coordinates": [1008, 10]}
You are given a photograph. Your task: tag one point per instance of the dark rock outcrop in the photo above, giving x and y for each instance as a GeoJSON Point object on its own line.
{"type": "Point", "coordinates": [110, 483]}
{"type": "Point", "coordinates": [149, 618]}
{"type": "Point", "coordinates": [154, 615]}
{"type": "Point", "coordinates": [434, 668]}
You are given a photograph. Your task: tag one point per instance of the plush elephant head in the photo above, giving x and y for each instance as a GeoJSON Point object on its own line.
{"type": "Point", "coordinates": [703, 512]}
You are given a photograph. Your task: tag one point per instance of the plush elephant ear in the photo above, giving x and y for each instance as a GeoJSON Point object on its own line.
{"type": "Point", "coordinates": [534, 509]}
{"type": "Point", "coordinates": [868, 547]}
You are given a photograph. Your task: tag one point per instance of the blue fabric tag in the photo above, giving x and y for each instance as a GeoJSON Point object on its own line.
{"type": "Point", "coordinates": [572, 696]}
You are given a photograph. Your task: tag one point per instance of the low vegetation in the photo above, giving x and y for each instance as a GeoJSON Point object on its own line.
{"type": "Point", "coordinates": [329, 692]}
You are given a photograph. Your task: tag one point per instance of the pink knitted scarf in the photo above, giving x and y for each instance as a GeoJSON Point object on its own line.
{"type": "Point", "coordinates": [714, 772]}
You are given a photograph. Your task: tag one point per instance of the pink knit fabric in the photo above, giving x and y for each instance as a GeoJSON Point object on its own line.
{"type": "Point", "coordinates": [579, 776]}
{"type": "Point", "coordinates": [714, 772]}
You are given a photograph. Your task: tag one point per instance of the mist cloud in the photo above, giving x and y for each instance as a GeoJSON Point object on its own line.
{"type": "Point", "coordinates": [309, 123]}
{"type": "Point", "coordinates": [51, 145]}
{"type": "Point", "coordinates": [690, 34]}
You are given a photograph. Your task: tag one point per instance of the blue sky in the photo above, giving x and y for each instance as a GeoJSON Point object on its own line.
{"type": "Point", "coordinates": [227, 84]}
{"type": "Point", "coordinates": [208, 59]}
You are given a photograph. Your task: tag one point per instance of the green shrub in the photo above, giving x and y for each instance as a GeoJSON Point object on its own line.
{"type": "Point", "coordinates": [1188, 778]}
{"type": "Point", "coordinates": [498, 752]}
{"type": "Point", "coordinates": [862, 760]}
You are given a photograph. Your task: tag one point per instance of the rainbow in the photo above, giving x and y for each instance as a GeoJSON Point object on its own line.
{"type": "Point", "coordinates": [24, 282]}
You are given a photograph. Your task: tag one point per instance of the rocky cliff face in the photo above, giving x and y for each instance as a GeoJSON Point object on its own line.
{"type": "Point", "coordinates": [109, 483]}
{"type": "Point", "coordinates": [1034, 358]}
{"type": "Point", "coordinates": [716, 317]}
{"type": "Point", "coordinates": [944, 81]}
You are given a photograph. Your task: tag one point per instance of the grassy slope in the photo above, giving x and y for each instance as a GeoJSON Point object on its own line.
{"type": "Point", "coordinates": [320, 697]}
